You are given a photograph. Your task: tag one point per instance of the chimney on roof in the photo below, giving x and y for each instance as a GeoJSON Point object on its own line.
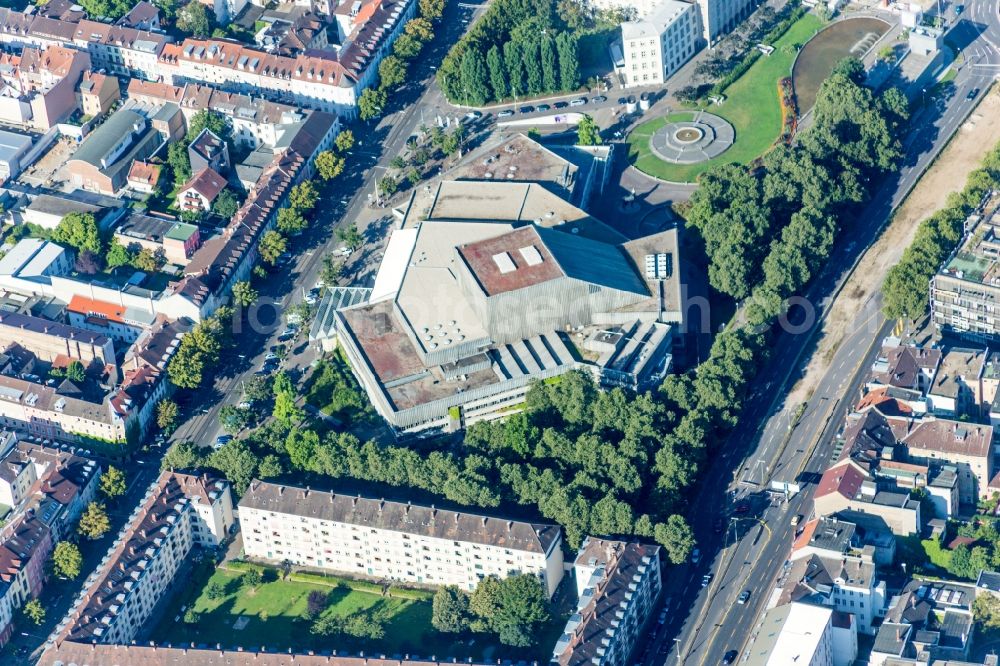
{"type": "Point", "coordinates": [281, 490]}
{"type": "Point", "coordinates": [510, 525]}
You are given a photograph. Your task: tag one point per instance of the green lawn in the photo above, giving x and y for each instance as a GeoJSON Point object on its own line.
{"type": "Point", "coordinates": [752, 106]}
{"type": "Point", "coordinates": [275, 618]}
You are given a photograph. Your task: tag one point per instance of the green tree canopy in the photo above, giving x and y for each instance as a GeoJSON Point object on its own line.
{"type": "Point", "coordinates": [113, 482]}
{"type": "Point", "coordinates": [79, 231]}
{"type": "Point", "coordinates": [66, 560]}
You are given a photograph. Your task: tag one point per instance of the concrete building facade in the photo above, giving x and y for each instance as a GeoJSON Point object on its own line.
{"type": "Point", "coordinates": [391, 540]}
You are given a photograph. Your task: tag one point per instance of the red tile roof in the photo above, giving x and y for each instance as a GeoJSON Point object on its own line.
{"type": "Point", "coordinates": [103, 309]}
{"type": "Point", "coordinates": [844, 478]}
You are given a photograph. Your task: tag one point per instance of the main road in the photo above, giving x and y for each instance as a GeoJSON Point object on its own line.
{"type": "Point", "coordinates": [781, 442]}
{"type": "Point", "coordinates": [345, 201]}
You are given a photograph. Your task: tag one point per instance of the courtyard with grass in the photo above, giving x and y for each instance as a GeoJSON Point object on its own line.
{"type": "Point", "coordinates": [217, 607]}
{"type": "Point", "coordinates": [752, 106]}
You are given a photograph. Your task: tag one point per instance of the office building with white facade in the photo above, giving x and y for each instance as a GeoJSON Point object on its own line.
{"type": "Point", "coordinates": [391, 540]}
{"type": "Point", "coordinates": [657, 45]}
{"type": "Point", "coordinates": [178, 513]}
{"type": "Point", "coordinates": [720, 16]}
{"type": "Point", "coordinates": [802, 635]}
{"type": "Point", "coordinates": [617, 585]}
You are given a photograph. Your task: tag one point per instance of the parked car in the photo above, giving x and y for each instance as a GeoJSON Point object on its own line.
{"type": "Point", "coordinates": [744, 597]}
{"type": "Point", "coordinates": [560, 105]}
{"type": "Point", "coordinates": [695, 556]}
{"type": "Point", "coordinates": [271, 356]}
{"type": "Point", "coordinates": [599, 99]}
{"type": "Point", "coordinates": [729, 657]}
{"type": "Point", "coordinates": [473, 115]}
{"type": "Point", "coordinates": [526, 109]}
{"type": "Point", "coordinates": [542, 107]}
{"type": "Point", "coordinates": [246, 404]}
{"type": "Point", "coordinates": [579, 101]}
{"type": "Point", "coordinates": [506, 113]}
{"type": "Point", "coordinates": [342, 251]}
{"type": "Point", "coordinates": [663, 616]}
{"type": "Point", "coordinates": [222, 440]}
{"type": "Point", "coordinates": [796, 519]}
{"type": "Point", "coordinates": [706, 579]}
{"type": "Point", "coordinates": [287, 334]}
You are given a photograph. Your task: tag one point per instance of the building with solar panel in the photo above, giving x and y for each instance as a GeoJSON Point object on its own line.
{"type": "Point", "coordinates": [490, 286]}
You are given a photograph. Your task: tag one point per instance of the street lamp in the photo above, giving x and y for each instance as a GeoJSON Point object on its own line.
{"type": "Point", "coordinates": [378, 197]}
{"type": "Point", "coordinates": [677, 647]}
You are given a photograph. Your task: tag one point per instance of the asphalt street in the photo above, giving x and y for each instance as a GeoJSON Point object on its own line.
{"type": "Point", "coordinates": [774, 441]}
{"type": "Point", "coordinates": [345, 201]}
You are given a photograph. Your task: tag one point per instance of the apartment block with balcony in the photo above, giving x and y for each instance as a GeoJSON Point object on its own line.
{"type": "Point", "coordinates": [178, 513]}
{"type": "Point", "coordinates": [617, 585]}
{"type": "Point", "coordinates": [391, 540]}
{"type": "Point", "coordinates": [965, 292]}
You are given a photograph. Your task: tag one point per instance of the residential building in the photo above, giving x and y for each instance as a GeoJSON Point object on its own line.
{"type": "Point", "coordinates": [143, 177]}
{"type": "Point", "coordinates": [54, 482]}
{"type": "Point", "coordinates": [60, 653]}
{"type": "Point", "coordinates": [657, 45]}
{"type": "Point", "coordinates": [964, 291]}
{"type": "Point", "coordinates": [115, 321]}
{"type": "Point", "coordinates": [98, 93]}
{"type": "Point", "coordinates": [56, 342]}
{"type": "Point", "coordinates": [143, 16]}
{"type": "Point", "coordinates": [720, 16]}
{"type": "Point", "coordinates": [208, 151]}
{"type": "Point", "coordinates": [927, 619]}
{"type": "Point", "coordinates": [392, 540]}
{"type": "Point", "coordinates": [23, 557]}
{"type": "Point", "coordinates": [834, 536]}
{"type": "Point", "coordinates": [448, 330]}
{"type": "Point", "coordinates": [178, 513]}
{"type": "Point", "coordinates": [848, 486]}
{"type": "Point", "coordinates": [38, 87]}
{"type": "Point", "coordinates": [42, 268]}
{"type": "Point", "coordinates": [845, 582]}
{"type": "Point", "coordinates": [617, 584]}
{"type": "Point", "coordinates": [45, 490]}
{"type": "Point", "coordinates": [957, 388]}
{"type": "Point", "coordinates": [176, 240]}
{"type": "Point", "coordinates": [200, 191]}
{"type": "Point", "coordinates": [798, 634]}
{"type": "Point", "coordinates": [102, 162]}
{"type": "Point", "coordinates": [904, 367]}
{"type": "Point", "coordinates": [255, 120]}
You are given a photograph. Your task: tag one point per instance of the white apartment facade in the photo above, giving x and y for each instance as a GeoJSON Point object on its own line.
{"type": "Point", "coordinates": [141, 567]}
{"type": "Point", "coordinates": [391, 540]}
{"type": "Point", "coordinates": [658, 45]}
{"type": "Point", "coordinates": [720, 16]}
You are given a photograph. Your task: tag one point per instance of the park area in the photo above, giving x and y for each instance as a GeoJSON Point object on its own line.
{"type": "Point", "coordinates": [752, 107]}
{"type": "Point", "coordinates": [218, 607]}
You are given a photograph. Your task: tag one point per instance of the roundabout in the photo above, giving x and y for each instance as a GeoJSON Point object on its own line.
{"type": "Point", "coordinates": [699, 139]}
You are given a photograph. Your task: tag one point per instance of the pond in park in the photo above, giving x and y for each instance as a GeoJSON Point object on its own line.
{"type": "Point", "coordinates": [849, 37]}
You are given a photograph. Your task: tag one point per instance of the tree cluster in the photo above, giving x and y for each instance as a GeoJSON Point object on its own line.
{"type": "Point", "coordinates": [768, 228]}
{"type": "Point", "coordinates": [136, 256]}
{"type": "Point", "coordinates": [393, 69]}
{"type": "Point", "coordinates": [517, 48]}
{"type": "Point", "coordinates": [513, 608]}
{"type": "Point", "coordinates": [199, 349]}
{"type": "Point", "coordinates": [904, 291]}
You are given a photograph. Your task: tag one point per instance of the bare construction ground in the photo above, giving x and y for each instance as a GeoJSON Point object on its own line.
{"type": "Point", "coordinates": [948, 174]}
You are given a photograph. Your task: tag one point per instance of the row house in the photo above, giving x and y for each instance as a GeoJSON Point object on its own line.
{"type": "Point", "coordinates": [178, 513]}
{"type": "Point", "coordinates": [617, 585]}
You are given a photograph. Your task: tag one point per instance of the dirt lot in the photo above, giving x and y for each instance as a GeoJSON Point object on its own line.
{"type": "Point", "coordinates": [49, 170]}
{"type": "Point", "coordinates": [948, 174]}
